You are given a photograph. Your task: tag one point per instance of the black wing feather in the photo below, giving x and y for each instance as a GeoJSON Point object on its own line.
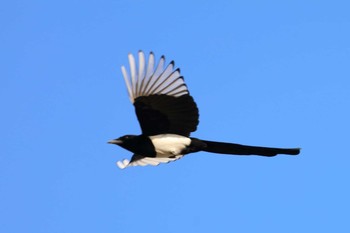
{"type": "Point", "coordinates": [159, 114]}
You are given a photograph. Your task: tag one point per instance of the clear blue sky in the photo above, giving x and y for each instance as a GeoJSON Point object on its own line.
{"type": "Point", "coordinates": [271, 73]}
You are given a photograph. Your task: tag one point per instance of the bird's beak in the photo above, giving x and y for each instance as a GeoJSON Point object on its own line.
{"type": "Point", "coordinates": [115, 141]}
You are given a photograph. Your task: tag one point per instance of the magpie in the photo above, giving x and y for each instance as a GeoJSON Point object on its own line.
{"type": "Point", "coordinates": [167, 115]}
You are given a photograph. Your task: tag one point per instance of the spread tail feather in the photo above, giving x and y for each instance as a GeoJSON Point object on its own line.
{"type": "Point", "coordinates": [237, 149]}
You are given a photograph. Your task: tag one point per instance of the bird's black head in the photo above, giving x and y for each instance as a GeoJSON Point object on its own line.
{"type": "Point", "coordinates": [126, 141]}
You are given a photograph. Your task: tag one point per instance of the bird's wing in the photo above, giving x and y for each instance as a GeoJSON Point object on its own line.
{"type": "Point", "coordinates": [160, 96]}
{"type": "Point", "coordinates": [138, 160]}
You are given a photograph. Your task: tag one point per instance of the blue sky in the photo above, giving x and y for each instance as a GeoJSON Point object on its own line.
{"type": "Point", "coordinates": [271, 73]}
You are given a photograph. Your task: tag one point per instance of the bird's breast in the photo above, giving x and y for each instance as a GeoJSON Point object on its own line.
{"type": "Point", "coordinates": [167, 145]}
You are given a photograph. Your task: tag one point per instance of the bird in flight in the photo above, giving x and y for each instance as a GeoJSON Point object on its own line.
{"type": "Point", "coordinates": [167, 115]}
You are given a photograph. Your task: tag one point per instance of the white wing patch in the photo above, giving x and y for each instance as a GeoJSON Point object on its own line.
{"type": "Point", "coordinates": [145, 79]}
{"type": "Point", "coordinates": [146, 161]}
{"type": "Point", "coordinates": [168, 145]}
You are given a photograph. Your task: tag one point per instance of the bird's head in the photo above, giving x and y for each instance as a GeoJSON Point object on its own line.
{"type": "Point", "coordinates": [126, 141]}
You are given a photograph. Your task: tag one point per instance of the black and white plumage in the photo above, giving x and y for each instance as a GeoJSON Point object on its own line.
{"type": "Point", "coordinates": [167, 115]}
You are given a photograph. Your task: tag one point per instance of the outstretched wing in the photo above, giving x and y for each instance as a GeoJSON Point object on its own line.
{"type": "Point", "coordinates": [160, 96]}
{"type": "Point", "coordinates": [138, 160]}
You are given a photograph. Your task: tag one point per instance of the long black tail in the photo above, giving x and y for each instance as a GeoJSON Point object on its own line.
{"type": "Point", "coordinates": [237, 149]}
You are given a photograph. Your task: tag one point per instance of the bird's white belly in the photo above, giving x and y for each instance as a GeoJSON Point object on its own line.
{"type": "Point", "coordinates": [167, 145]}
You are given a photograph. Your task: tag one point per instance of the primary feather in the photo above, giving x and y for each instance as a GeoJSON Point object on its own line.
{"type": "Point", "coordinates": [157, 80]}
